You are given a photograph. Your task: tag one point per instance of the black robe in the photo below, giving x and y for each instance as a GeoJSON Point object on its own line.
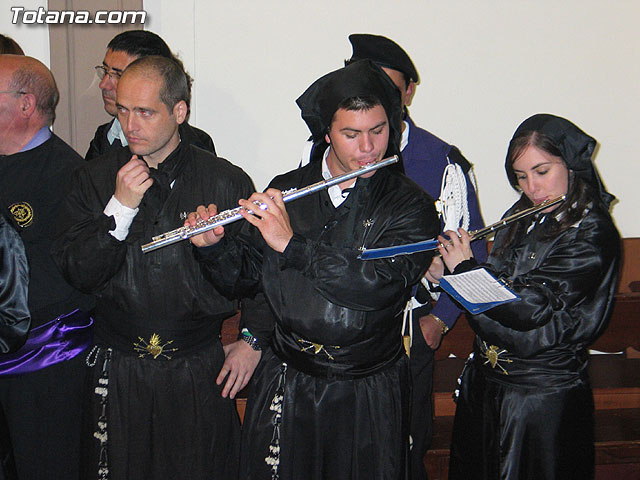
{"type": "Point", "coordinates": [43, 408]}
{"type": "Point", "coordinates": [14, 319]}
{"type": "Point", "coordinates": [525, 409]}
{"type": "Point", "coordinates": [33, 185]}
{"type": "Point", "coordinates": [100, 145]}
{"type": "Point", "coordinates": [14, 287]}
{"type": "Point", "coordinates": [336, 369]}
{"type": "Point", "coordinates": [158, 315]}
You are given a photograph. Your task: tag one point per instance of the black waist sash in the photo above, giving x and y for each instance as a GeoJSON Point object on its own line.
{"type": "Point", "coordinates": [563, 366]}
{"type": "Point", "coordinates": [340, 362]}
{"type": "Point", "coordinates": [130, 336]}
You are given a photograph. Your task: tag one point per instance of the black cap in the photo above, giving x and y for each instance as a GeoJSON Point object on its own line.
{"type": "Point", "coordinates": [320, 101]}
{"type": "Point", "coordinates": [383, 52]}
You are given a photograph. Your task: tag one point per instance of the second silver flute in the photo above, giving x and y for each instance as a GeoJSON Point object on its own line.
{"type": "Point", "coordinates": [228, 216]}
{"type": "Point", "coordinates": [429, 245]}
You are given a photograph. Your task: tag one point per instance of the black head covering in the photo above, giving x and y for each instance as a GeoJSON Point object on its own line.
{"type": "Point", "coordinates": [575, 146]}
{"type": "Point", "coordinates": [383, 52]}
{"type": "Point", "coordinates": [363, 78]}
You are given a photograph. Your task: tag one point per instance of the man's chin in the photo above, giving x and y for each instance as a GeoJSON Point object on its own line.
{"type": "Point", "coordinates": [110, 107]}
{"type": "Point", "coordinates": [138, 150]}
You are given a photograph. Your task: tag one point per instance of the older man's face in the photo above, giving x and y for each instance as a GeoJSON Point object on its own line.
{"type": "Point", "coordinates": [114, 63]}
{"type": "Point", "coordinates": [10, 101]}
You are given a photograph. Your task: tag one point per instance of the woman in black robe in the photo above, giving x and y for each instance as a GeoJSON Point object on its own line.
{"type": "Point", "coordinates": [525, 406]}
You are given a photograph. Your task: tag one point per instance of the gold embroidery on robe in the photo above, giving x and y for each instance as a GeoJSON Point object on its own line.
{"type": "Point", "coordinates": [317, 348]}
{"type": "Point", "coordinates": [492, 354]}
{"type": "Point", "coordinates": [154, 347]}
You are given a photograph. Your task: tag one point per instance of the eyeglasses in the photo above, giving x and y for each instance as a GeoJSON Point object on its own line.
{"type": "Point", "coordinates": [101, 71]}
{"type": "Point", "coordinates": [14, 92]}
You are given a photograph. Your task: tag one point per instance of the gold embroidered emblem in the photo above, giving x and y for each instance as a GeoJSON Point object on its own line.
{"type": "Point", "coordinates": [23, 213]}
{"type": "Point", "coordinates": [492, 354]}
{"type": "Point", "coordinates": [368, 222]}
{"type": "Point", "coordinates": [153, 348]}
{"type": "Point", "coordinates": [317, 348]}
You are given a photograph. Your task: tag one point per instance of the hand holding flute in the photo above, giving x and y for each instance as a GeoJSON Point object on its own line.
{"type": "Point", "coordinates": [455, 249]}
{"type": "Point", "coordinates": [210, 237]}
{"type": "Point", "coordinates": [271, 219]}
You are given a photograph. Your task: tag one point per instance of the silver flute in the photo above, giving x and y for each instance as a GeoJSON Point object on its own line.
{"type": "Point", "coordinates": [430, 245]}
{"type": "Point", "coordinates": [232, 215]}
{"type": "Point", "coordinates": [494, 227]}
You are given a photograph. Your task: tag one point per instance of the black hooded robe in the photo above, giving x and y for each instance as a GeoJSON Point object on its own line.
{"type": "Point", "coordinates": [165, 416]}
{"type": "Point", "coordinates": [338, 409]}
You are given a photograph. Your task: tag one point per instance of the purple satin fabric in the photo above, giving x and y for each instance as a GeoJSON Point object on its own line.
{"type": "Point", "coordinates": [53, 342]}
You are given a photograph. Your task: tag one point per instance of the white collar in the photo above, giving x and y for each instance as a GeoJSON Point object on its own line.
{"type": "Point", "coordinates": [335, 192]}
{"type": "Point", "coordinates": [405, 135]}
{"type": "Point", "coordinates": [115, 132]}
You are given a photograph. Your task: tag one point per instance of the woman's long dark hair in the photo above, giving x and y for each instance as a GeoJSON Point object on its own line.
{"type": "Point", "coordinates": [579, 194]}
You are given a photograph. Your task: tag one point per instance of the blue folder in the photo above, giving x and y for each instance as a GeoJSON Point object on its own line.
{"type": "Point", "coordinates": [388, 252]}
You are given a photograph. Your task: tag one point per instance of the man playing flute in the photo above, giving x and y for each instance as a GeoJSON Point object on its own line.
{"type": "Point", "coordinates": [330, 394]}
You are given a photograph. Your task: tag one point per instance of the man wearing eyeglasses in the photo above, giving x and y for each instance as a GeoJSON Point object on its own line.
{"type": "Point", "coordinates": [41, 383]}
{"type": "Point", "coordinates": [123, 49]}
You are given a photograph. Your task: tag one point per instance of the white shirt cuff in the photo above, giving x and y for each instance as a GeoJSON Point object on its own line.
{"type": "Point", "coordinates": [123, 216]}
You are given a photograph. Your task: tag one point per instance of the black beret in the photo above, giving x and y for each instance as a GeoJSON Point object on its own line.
{"type": "Point", "coordinates": [384, 52]}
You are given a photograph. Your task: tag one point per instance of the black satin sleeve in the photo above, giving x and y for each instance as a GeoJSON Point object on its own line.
{"type": "Point", "coordinates": [86, 253]}
{"type": "Point", "coordinates": [234, 266]}
{"type": "Point", "coordinates": [565, 298]}
{"type": "Point", "coordinates": [371, 285]}
{"type": "Point", "coordinates": [14, 282]}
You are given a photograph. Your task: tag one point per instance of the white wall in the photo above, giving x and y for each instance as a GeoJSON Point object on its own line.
{"type": "Point", "coordinates": [485, 66]}
{"type": "Point", "coordinates": [34, 39]}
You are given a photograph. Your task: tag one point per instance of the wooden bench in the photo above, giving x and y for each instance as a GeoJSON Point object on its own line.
{"type": "Point", "coordinates": [615, 377]}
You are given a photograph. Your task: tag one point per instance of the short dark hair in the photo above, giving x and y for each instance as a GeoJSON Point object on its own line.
{"type": "Point", "coordinates": [143, 43]}
{"type": "Point", "coordinates": [140, 43]}
{"type": "Point", "coordinates": [43, 87]}
{"type": "Point", "coordinates": [356, 104]}
{"type": "Point", "coordinates": [359, 103]}
{"type": "Point", "coordinates": [9, 46]}
{"type": "Point", "coordinates": [174, 81]}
